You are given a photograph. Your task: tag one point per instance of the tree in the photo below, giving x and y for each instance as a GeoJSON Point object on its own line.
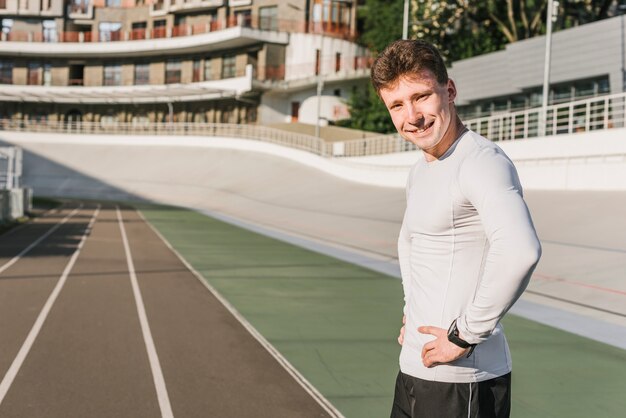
{"type": "Point", "coordinates": [368, 112]}
{"type": "Point", "coordinates": [382, 23]}
{"type": "Point", "coordinates": [460, 29]}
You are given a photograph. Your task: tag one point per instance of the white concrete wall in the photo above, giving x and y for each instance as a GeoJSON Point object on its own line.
{"type": "Point", "coordinates": [301, 51]}
{"type": "Point", "coordinates": [587, 161]}
{"type": "Point", "coordinates": [582, 161]}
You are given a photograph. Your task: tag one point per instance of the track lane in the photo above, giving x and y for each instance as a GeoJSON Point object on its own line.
{"type": "Point", "coordinates": [27, 283]}
{"type": "Point", "coordinates": [89, 359]}
{"type": "Point", "coordinates": [213, 367]}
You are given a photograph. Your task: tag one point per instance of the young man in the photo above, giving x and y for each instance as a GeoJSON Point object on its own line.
{"type": "Point", "coordinates": [467, 246]}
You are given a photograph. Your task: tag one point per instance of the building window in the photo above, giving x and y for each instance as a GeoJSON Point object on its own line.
{"type": "Point", "coordinates": [6, 72]}
{"type": "Point", "coordinates": [113, 3]}
{"type": "Point", "coordinates": [110, 31]}
{"type": "Point", "coordinates": [47, 74]}
{"type": "Point", "coordinates": [142, 74]}
{"type": "Point", "coordinates": [77, 74]}
{"type": "Point", "coordinates": [34, 74]}
{"type": "Point", "coordinates": [172, 71]}
{"type": "Point", "coordinates": [138, 30]}
{"type": "Point", "coordinates": [332, 14]}
{"type": "Point", "coordinates": [3, 4]}
{"type": "Point", "coordinates": [268, 18]}
{"type": "Point", "coordinates": [337, 62]}
{"type": "Point", "coordinates": [196, 74]}
{"type": "Point", "coordinates": [49, 31]}
{"type": "Point", "coordinates": [159, 30]}
{"type": "Point", "coordinates": [208, 69]}
{"type": "Point", "coordinates": [79, 6]}
{"type": "Point", "coordinates": [7, 24]}
{"type": "Point", "coordinates": [229, 66]}
{"type": "Point", "coordinates": [243, 18]}
{"type": "Point", "coordinates": [112, 75]}
{"type": "Point", "coordinates": [158, 4]}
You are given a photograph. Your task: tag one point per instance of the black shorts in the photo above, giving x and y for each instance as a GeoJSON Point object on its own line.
{"type": "Point", "coordinates": [417, 398]}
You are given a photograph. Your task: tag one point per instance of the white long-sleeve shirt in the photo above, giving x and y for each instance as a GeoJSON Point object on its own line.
{"type": "Point", "coordinates": [467, 249]}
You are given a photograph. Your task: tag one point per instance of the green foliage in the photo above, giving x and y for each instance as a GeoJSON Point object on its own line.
{"type": "Point", "coordinates": [460, 29]}
{"type": "Point", "coordinates": [368, 112]}
{"type": "Point", "coordinates": [382, 23]}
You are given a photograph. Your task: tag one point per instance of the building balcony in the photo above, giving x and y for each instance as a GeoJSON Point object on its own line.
{"type": "Point", "coordinates": [302, 76]}
{"type": "Point", "coordinates": [81, 11]}
{"type": "Point", "coordinates": [137, 43]}
{"type": "Point", "coordinates": [234, 32]}
{"type": "Point", "coordinates": [192, 5]}
{"type": "Point", "coordinates": [162, 93]}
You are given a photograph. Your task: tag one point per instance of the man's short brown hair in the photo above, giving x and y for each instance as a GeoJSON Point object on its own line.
{"type": "Point", "coordinates": [407, 58]}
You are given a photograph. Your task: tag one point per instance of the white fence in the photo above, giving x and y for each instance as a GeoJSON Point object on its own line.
{"type": "Point", "coordinates": [596, 113]}
{"type": "Point", "coordinates": [261, 133]}
{"type": "Point", "coordinates": [10, 168]}
{"type": "Point", "coordinates": [603, 112]}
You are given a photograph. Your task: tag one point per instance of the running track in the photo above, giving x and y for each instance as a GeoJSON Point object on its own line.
{"type": "Point", "coordinates": [100, 318]}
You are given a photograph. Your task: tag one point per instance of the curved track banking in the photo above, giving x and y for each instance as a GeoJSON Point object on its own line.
{"type": "Point", "coordinates": [582, 232]}
{"type": "Point", "coordinates": [101, 318]}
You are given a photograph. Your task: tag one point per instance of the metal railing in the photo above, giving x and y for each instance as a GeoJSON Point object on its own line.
{"type": "Point", "coordinates": [603, 112]}
{"type": "Point", "coordinates": [260, 133]}
{"type": "Point", "coordinates": [596, 113]}
{"type": "Point", "coordinates": [253, 22]}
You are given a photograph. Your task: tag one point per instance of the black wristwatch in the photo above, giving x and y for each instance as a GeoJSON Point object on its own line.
{"type": "Point", "coordinates": [453, 337]}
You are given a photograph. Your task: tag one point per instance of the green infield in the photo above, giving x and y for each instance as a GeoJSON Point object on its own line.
{"type": "Point", "coordinates": [337, 324]}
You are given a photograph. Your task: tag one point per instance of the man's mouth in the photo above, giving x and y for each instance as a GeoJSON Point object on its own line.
{"type": "Point", "coordinates": [418, 130]}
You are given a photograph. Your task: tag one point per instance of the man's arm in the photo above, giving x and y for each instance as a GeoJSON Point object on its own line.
{"type": "Point", "coordinates": [489, 181]}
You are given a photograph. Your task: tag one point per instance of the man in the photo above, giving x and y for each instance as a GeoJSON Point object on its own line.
{"type": "Point", "coordinates": [467, 246]}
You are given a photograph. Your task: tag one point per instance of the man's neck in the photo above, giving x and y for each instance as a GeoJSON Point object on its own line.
{"type": "Point", "coordinates": [455, 130]}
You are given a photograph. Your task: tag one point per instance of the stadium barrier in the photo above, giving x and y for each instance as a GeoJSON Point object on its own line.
{"type": "Point", "coordinates": [261, 133]}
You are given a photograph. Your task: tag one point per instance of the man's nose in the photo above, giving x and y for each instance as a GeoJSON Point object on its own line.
{"type": "Point", "coordinates": [414, 115]}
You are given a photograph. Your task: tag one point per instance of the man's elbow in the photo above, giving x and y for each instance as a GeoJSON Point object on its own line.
{"type": "Point", "coordinates": [530, 254]}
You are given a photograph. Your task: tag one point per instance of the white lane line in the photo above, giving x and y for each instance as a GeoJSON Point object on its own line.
{"type": "Point", "coordinates": [297, 376]}
{"type": "Point", "coordinates": [5, 385]}
{"type": "Point", "coordinates": [157, 373]}
{"type": "Point", "coordinates": [38, 240]}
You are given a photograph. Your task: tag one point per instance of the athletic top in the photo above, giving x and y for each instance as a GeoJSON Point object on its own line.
{"type": "Point", "coordinates": [467, 248]}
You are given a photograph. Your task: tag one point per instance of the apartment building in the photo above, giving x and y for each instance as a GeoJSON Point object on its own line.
{"type": "Point", "coordinates": [586, 61]}
{"type": "Point", "coordinates": [142, 61]}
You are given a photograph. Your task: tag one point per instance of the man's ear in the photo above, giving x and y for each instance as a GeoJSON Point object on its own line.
{"type": "Point", "coordinates": [451, 87]}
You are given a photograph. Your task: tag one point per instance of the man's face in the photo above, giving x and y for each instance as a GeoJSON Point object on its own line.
{"type": "Point", "coordinates": [422, 110]}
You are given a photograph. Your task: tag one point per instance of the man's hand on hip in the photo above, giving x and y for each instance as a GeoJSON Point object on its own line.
{"type": "Point", "coordinates": [440, 350]}
{"type": "Point", "coordinates": [401, 336]}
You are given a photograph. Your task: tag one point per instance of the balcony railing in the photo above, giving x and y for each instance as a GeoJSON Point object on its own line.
{"type": "Point", "coordinates": [280, 25]}
{"type": "Point", "coordinates": [309, 69]}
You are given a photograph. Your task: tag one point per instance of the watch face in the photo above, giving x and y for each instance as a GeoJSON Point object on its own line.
{"type": "Point", "coordinates": [453, 336]}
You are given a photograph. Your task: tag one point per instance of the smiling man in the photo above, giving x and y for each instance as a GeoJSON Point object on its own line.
{"type": "Point", "coordinates": [467, 246]}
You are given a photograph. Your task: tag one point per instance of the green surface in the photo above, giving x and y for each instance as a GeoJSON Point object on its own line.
{"type": "Point", "coordinates": [337, 324]}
